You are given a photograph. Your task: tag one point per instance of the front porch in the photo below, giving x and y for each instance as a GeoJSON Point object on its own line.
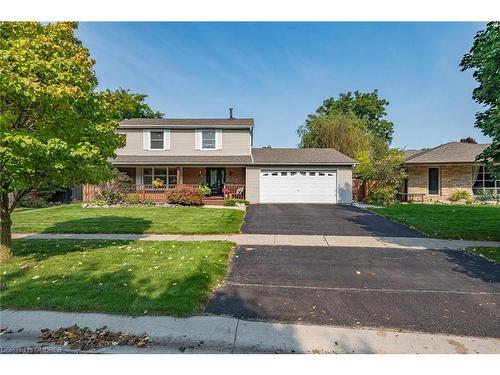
{"type": "Point", "coordinates": [152, 182]}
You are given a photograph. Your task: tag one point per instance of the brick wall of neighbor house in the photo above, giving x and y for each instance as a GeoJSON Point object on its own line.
{"type": "Point", "coordinates": [235, 175]}
{"type": "Point", "coordinates": [453, 178]}
{"type": "Point", "coordinates": [194, 175]}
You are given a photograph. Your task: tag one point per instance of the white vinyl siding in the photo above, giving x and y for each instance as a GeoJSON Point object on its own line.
{"type": "Point", "coordinates": [298, 186]}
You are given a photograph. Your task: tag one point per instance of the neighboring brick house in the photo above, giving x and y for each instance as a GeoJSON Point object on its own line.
{"type": "Point", "coordinates": [438, 172]}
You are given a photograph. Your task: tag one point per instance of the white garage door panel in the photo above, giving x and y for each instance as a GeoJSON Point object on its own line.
{"type": "Point", "coordinates": [298, 186]}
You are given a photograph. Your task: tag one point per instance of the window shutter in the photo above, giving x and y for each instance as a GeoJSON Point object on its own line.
{"type": "Point", "coordinates": [166, 139]}
{"type": "Point", "coordinates": [146, 137]}
{"type": "Point", "coordinates": [197, 139]}
{"type": "Point", "coordinates": [218, 139]}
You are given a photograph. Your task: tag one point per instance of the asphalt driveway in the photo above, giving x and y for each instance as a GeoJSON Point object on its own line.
{"type": "Point", "coordinates": [320, 219]}
{"type": "Point", "coordinates": [447, 291]}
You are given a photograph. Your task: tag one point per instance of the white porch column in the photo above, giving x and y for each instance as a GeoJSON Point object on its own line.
{"type": "Point", "coordinates": [138, 176]}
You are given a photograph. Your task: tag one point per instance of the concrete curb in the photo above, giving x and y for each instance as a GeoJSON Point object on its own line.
{"type": "Point", "coordinates": [415, 243]}
{"type": "Point", "coordinates": [231, 335]}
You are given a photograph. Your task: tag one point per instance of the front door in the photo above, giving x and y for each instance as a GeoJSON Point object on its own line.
{"type": "Point", "coordinates": [215, 179]}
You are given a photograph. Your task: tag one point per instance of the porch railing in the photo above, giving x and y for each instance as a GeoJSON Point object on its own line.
{"type": "Point", "coordinates": [234, 191]}
{"type": "Point", "coordinates": [157, 194]}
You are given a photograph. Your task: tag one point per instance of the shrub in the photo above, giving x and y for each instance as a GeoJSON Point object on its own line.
{"type": "Point", "coordinates": [113, 192]}
{"type": "Point", "coordinates": [136, 198]}
{"type": "Point", "coordinates": [205, 188]}
{"type": "Point", "coordinates": [99, 202]}
{"type": "Point", "coordinates": [31, 202]}
{"type": "Point", "coordinates": [485, 195]}
{"type": "Point", "coordinates": [133, 198]}
{"type": "Point", "coordinates": [185, 195]}
{"type": "Point", "coordinates": [382, 196]}
{"type": "Point", "coordinates": [232, 202]}
{"type": "Point", "coordinates": [460, 194]}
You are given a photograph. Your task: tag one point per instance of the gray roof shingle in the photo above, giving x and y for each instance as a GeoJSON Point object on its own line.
{"type": "Point", "coordinates": [188, 122]}
{"type": "Point", "coordinates": [183, 160]}
{"type": "Point", "coordinates": [452, 152]}
{"type": "Point", "coordinates": [292, 156]}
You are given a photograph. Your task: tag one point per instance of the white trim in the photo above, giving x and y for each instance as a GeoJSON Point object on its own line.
{"type": "Point", "coordinates": [200, 141]}
{"type": "Point", "coordinates": [166, 139]}
{"type": "Point", "coordinates": [439, 181]}
{"type": "Point", "coordinates": [146, 139]}
{"type": "Point", "coordinates": [197, 139]}
{"type": "Point", "coordinates": [218, 139]}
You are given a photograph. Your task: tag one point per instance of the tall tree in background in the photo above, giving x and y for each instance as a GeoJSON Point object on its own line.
{"type": "Point", "coordinates": [484, 58]}
{"type": "Point", "coordinates": [344, 132]}
{"type": "Point", "coordinates": [367, 106]}
{"type": "Point", "coordinates": [55, 129]}
{"type": "Point", "coordinates": [124, 104]}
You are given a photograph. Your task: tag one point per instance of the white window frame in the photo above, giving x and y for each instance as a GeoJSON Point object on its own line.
{"type": "Point", "coordinates": [146, 136]}
{"type": "Point", "coordinates": [199, 139]}
{"type": "Point", "coordinates": [153, 175]}
{"type": "Point", "coordinates": [439, 181]}
{"type": "Point", "coordinates": [496, 187]}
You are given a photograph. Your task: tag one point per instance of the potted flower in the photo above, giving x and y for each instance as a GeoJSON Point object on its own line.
{"type": "Point", "coordinates": [158, 183]}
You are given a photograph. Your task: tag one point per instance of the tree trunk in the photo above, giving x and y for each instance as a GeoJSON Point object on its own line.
{"type": "Point", "coordinates": [5, 235]}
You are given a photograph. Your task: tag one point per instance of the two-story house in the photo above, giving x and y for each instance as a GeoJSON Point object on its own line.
{"type": "Point", "coordinates": [219, 152]}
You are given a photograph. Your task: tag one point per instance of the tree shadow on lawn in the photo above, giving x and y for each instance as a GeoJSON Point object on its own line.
{"type": "Point", "coordinates": [101, 224]}
{"type": "Point", "coordinates": [117, 292]}
{"type": "Point", "coordinates": [42, 249]}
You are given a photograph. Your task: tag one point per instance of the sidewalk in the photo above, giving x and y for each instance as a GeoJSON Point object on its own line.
{"type": "Point", "coordinates": [203, 334]}
{"type": "Point", "coordinates": [278, 239]}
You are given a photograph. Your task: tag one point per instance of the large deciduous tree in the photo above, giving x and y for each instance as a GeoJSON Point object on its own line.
{"type": "Point", "coordinates": [367, 106]}
{"type": "Point", "coordinates": [125, 104]}
{"type": "Point", "coordinates": [344, 132]}
{"type": "Point", "coordinates": [55, 130]}
{"type": "Point", "coordinates": [484, 58]}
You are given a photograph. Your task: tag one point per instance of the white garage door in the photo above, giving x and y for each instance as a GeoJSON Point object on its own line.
{"type": "Point", "coordinates": [299, 186]}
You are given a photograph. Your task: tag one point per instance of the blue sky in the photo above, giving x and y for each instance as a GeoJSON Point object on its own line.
{"type": "Point", "coordinates": [278, 73]}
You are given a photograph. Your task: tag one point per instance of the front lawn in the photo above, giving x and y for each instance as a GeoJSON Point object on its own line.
{"type": "Point", "coordinates": [136, 278]}
{"type": "Point", "coordinates": [75, 219]}
{"type": "Point", "coordinates": [492, 253]}
{"type": "Point", "coordinates": [446, 221]}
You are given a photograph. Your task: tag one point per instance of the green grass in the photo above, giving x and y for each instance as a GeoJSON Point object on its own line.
{"type": "Point", "coordinates": [448, 221]}
{"type": "Point", "coordinates": [75, 219]}
{"type": "Point", "coordinates": [492, 253]}
{"type": "Point", "coordinates": [125, 277]}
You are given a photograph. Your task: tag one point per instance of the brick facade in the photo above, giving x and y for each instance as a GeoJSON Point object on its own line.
{"type": "Point", "coordinates": [194, 175]}
{"type": "Point", "coordinates": [452, 178]}
{"type": "Point", "coordinates": [235, 175]}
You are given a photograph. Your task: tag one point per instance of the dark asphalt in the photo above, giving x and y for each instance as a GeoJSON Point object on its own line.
{"type": "Point", "coordinates": [320, 219]}
{"type": "Point", "coordinates": [447, 291]}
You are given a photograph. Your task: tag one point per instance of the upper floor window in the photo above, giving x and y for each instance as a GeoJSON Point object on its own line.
{"type": "Point", "coordinates": [208, 139]}
{"type": "Point", "coordinates": [156, 139]}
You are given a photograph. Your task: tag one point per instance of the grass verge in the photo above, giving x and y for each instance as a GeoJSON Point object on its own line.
{"type": "Point", "coordinates": [447, 221]}
{"type": "Point", "coordinates": [125, 277]}
{"type": "Point", "coordinates": [492, 253]}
